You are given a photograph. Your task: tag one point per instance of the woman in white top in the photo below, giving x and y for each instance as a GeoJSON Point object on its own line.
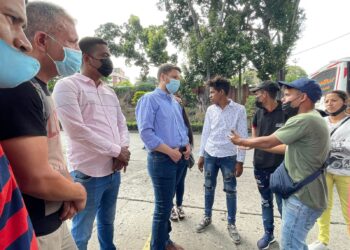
{"type": "Point", "coordinates": [338, 170]}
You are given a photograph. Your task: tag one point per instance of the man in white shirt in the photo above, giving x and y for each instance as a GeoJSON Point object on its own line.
{"type": "Point", "coordinates": [218, 153]}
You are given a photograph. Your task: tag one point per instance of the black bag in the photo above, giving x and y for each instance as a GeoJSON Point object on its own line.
{"type": "Point", "coordinates": [191, 161]}
{"type": "Point", "coordinates": [282, 184]}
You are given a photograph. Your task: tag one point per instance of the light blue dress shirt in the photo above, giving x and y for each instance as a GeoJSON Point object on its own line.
{"type": "Point", "coordinates": [160, 121]}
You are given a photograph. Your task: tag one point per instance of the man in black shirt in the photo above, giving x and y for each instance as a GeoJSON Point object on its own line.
{"type": "Point", "coordinates": [267, 119]}
{"type": "Point", "coordinates": [29, 130]}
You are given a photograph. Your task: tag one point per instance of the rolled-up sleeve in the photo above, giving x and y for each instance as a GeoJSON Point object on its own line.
{"type": "Point", "coordinates": [65, 95]}
{"type": "Point", "coordinates": [145, 118]}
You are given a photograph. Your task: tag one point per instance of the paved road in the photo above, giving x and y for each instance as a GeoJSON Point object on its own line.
{"type": "Point", "coordinates": [135, 208]}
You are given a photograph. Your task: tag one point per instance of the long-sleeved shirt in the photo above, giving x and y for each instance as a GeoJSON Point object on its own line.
{"type": "Point", "coordinates": [93, 120]}
{"type": "Point", "coordinates": [217, 128]}
{"type": "Point", "coordinates": [160, 121]}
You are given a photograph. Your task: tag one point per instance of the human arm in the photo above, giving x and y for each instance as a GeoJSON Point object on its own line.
{"type": "Point", "coordinates": [28, 156]}
{"type": "Point", "coordinates": [262, 142]}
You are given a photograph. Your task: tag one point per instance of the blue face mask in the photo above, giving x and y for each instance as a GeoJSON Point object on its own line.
{"type": "Point", "coordinates": [15, 66]}
{"type": "Point", "coordinates": [173, 86]}
{"type": "Point", "coordinates": [71, 62]}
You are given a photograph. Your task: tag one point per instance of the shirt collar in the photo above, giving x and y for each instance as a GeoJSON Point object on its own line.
{"type": "Point", "coordinates": [86, 79]}
{"type": "Point", "coordinates": [163, 94]}
{"type": "Point", "coordinates": [231, 104]}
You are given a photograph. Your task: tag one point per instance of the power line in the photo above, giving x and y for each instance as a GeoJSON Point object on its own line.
{"type": "Point", "coordinates": [321, 44]}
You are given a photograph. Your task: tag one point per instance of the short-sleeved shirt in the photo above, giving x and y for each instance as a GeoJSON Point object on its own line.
{"type": "Point", "coordinates": [16, 230]}
{"type": "Point", "coordinates": [24, 111]}
{"type": "Point", "coordinates": [307, 138]}
{"type": "Point", "coordinates": [266, 123]}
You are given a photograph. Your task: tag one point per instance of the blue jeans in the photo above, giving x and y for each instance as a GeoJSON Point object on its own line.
{"type": "Point", "coordinates": [262, 177]}
{"type": "Point", "coordinates": [102, 194]}
{"type": "Point", "coordinates": [180, 188]}
{"type": "Point", "coordinates": [211, 168]}
{"type": "Point", "coordinates": [297, 221]}
{"type": "Point", "coordinates": [165, 175]}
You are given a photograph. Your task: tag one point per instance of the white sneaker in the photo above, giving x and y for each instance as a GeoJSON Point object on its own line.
{"type": "Point", "coordinates": [317, 245]}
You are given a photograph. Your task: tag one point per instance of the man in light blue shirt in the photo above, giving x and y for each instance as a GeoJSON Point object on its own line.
{"type": "Point", "coordinates": [165, 135]}
{"type": "Point", "coordinates": [218, 153]}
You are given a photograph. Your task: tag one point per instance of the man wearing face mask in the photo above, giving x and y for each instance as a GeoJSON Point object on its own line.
{"type": "Point", "coordinates": [165, 135]}
{"type": "Point", "coordinates": [267, 119]}
{"type": "Point", "coordinates": [16, 230]}
{"type": "Point", "coordinates": [30, 131]}
{"type": "Point", "coordinates": [307, 136]}
{"type": "Point", "coordinates": [91, 116]}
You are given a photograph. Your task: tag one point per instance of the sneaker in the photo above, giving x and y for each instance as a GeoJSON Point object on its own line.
{"type": "Point", "coordinates": [181, 212]}
{"type": "Point", "coordinates": [317, 245]}
{"type": "Point", "coordinates": [265, 241]}
{"type": "Point", "coordinates": [203, 224]}
{"type": "Point", "coordinates": [232, 230]}
{"type": "Point", "coordinates": [174, 216]}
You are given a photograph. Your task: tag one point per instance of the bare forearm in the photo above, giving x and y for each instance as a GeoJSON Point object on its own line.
{"type": "Point", "coordinates": [262, 142]}
{"type": "Point", "coordinates": [280, 149]}
{"type": "Point", "coordinates": [51, 186]}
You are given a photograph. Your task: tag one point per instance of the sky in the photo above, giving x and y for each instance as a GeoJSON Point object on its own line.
{"type": "Point", "coordinates": [325, 21]}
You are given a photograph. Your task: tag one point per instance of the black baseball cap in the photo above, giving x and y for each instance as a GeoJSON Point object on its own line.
{"type": "Point", "coordinates": [269, 86]}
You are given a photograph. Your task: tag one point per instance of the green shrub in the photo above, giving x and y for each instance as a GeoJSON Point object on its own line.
{"type": "Point", "coordinates": [147, 87]}
{"type": "Point", "coordinates": [123, 90]}
{"type": "Point", "coordinates": [137, 96]}
{"type": "Point", "coordinates": [132, 126]}
{"type": "Point", "coordinates": [197, 127]}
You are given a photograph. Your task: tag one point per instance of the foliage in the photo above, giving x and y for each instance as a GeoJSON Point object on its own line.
{"type": "Point", "coordinates": [149, 79]}
{"type": "Point", "coordinates": [294, 72]}
{"type": "Point", "coordinates": [132, 125]}
{"type": "Point", "coordinates": [208, 33]}
{"type": "Point", "coordinates": [141, 46]}
{"type": "Point", "coordinates": [122, 90]}
{"type": "Point", "coordinates": [137, 96]}
{"type": "Point", "coordinates": [273, 27]}
{"type": "Point", "coordinates": [147, 87]}
{"type": "Point", "coordinates": [250, 109]}
{"type": "Point", "coordinates": [125, 83]}
{"type": "Point", "coordinates": [249, 77]}
{"type": "Point", "coordinates": [51, 83]}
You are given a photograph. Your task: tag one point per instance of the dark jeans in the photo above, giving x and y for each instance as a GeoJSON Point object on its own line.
{"type": "Point", "coordinates": [262, 177]}
{"type": "Point", "coordinates": [180, 188]}
{"type": "Point", "coordinates": [165, 175]}
{"type": "Point", "coordinates": [102, 194]}
{"type": "Point", "coordinates": [227, 165]}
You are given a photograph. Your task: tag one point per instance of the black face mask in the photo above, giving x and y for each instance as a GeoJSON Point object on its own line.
{"type": "Point", "coordinates": [258, 104]}
{"type": "Point", "coordinates": [106, 67]}
{"type": "Point", "coordinates": [289, 110]}
{"type": "Point", "coordinates": [343, 108]}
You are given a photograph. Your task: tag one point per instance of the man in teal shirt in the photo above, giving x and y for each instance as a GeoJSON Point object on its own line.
{"type": "Point", "coordinates": [305, 141]}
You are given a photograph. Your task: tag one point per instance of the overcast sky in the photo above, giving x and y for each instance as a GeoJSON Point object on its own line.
{"type": "Point", "coordinates": [326, 20]}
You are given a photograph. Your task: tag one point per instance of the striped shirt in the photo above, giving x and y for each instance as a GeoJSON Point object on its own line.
{"type": "Point", "coordinates": [16, 231]}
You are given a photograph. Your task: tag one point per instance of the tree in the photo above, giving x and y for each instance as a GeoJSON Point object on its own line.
{"type": "Point", "coordinates": [273, 27]}
{"type": "Point", "coordinates": [249, 77]}
{"type": "Point", "coordinates": [294, 72]}
{"type": "Point", "coordinates": [141, 46]}
{"type": "Point", "coordinates": [208, 32]}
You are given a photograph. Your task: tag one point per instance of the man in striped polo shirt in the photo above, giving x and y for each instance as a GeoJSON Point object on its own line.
{"type": "Point", "coordinates": [16, 231]}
